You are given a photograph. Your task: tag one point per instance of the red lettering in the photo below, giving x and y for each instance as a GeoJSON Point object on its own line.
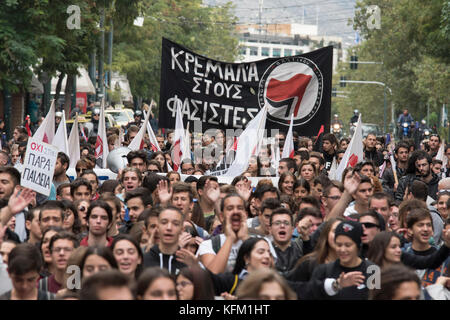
{"type": "Point", "coordinates": [33, 146]}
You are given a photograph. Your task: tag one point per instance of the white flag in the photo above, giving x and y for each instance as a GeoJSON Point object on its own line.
{"type": "Point", "coordinates": [333, 169]}
{"type": "Point", "coordinates": [441, 154]}
{"type": "Point", "coordinates": [101, 145]}
{"type": "Point", "coordinates": [249, 143]}
{"type": "Point", "coordinates": [187, 144]}
{"type": "Point", "coordinates": [354, 152]}
{"type": "Point", "coordinates": [138, 141]}
{"type": "Point", "coordinates": [153, 142]}
{"type": "Point", "coordinates": [288, 149]}
{"type": "Point", "coordinates": [46, 130]}
{"type": "Point", "coordinates": [60, 139]}
{"type": "Point", "coordinates": [74, 144]}
{"type": "Point", "coordinates": [178, 141]}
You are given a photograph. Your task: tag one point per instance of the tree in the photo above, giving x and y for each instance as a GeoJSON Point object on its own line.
{"type": "Point", "coordinates": [206, 30]}
{"type": "Point", "coordinates": [413, 44]}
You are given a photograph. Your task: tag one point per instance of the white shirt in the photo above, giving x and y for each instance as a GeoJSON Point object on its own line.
{"type": "Point", "coordinates": [350, 210]}
{"type": "Point", "coordinates": [206, 248]}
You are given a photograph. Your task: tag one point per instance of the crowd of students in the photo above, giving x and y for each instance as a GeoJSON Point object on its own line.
{"type": "Point", "coordinates": [150, 235]}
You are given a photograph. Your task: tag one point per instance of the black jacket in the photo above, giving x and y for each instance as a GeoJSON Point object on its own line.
{"type": "Point", "coordinates": [375, 156]}
{"type": "Point", "coordinates": [286, 260]}
{"type": "Point", "coordinates": [328, 159]}
{"type": "Point", "coordinates": [408, 179]}
{"type": "Point", "coordinates": [333, 270]}
{"type": "Point", "coordinates": [389, 181]}
{"type": "Point", "coordinates": [431, 261]}
{"type": "Point", "coordinates": [155, 258]}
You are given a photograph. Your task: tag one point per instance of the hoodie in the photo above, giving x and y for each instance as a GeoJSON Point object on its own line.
{"type": "Point", "coordinates": [155, 258]}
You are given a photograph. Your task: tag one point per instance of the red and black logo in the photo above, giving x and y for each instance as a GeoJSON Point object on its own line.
{"type": "Point", "coordinates": [291, 85]}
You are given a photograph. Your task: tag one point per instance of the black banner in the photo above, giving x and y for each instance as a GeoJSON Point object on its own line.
{"type": "Point", "coordinates": [228, 95]}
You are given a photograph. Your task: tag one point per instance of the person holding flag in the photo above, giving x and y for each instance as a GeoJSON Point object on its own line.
{"type": "Point", "coordinates": [392, 175]}
{"type": "Point", "coordinates": [101, 145]}
{"type": "Point", "coordinates": [178, 141]}
{"type": "Point", "coordinates": [288, 148]}
{"type": "Point", "coordinates": [353, 154]}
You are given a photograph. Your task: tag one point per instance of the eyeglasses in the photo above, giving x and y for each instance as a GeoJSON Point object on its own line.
{"type": "Point", "coordinates": [279, 223]}
{"type": "Point", "coordinates": [184, 284]}
{"type": "Point", "coordinates": [66, 249]}
{"type": "Point", "coordinates": [369, 225]}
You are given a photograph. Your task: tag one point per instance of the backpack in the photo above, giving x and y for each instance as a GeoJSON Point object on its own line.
{"type": "Point", "coordinates": [216, 245]}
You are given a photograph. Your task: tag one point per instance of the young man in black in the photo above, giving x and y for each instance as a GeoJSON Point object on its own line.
{"type": "Point", "coordinates": [419, 168]}
{"type": "Point", "coordinates": [167, 253]}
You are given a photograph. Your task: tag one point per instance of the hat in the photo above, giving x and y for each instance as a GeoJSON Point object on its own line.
{"type": "Point", "coordinates": [351, 229]}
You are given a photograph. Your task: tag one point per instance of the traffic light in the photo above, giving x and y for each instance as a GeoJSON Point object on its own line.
{"type": "Point", "coordinates": [353, 65]}
{"type": "Point", "coordinates": [342, 84]}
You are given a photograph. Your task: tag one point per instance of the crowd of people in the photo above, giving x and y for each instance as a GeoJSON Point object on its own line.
{"type": "Point", "coordinates": [378, 232]}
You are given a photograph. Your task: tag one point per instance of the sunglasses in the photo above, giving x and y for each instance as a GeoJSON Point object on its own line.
{"type": "Point", "coordinates": [80, 169]}
{"type": "Point", "coordinates": [369, 225]}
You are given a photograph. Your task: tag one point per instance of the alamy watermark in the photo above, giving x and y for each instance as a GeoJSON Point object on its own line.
{"type": "Point", "coordinates": [74, 20]}
{"type": "Point", "coordinates": [374, 19]}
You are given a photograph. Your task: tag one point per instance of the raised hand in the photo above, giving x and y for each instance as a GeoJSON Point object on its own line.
{"type": "Point", "coordinates": [245, 190]}
{"type": "Point", "coordinates": [243, 230]}
{"type": "Point", "coordinates": [20, 199]}
{"type": "Point", "coordinates": [212, 191]}
{"type": "Point", "coordinates": [303, 228]}
{"type": "Point", "coordinates": [354, 278]}
{"type": "Point", "coordinates": [351, 184]}
{"type": "Point", "coordinates": [229, 233]}
{"type": "Point", "coordinates": [185, 237]}
{"type": "Point", "coordinates": [164, 192]}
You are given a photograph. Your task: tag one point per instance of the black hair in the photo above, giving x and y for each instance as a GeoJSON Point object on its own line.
{"type": "Point", "coordinates": [24, 258]}
{"type": "Point", "coordinates": [415, 156]}
{"type": "Point", "coordinates": [104, 252]}
{"type": "Point", "coordinates": [89, 171]}
{"type": "Point", "coordinates": [129, 238]}
{"type": "Point", "coordinates": [230, 195]}
{"type": "Point", "coordinates": [280, 211]}
{"type": "Point", "coordinates": [149, 276]}
{"type": "Point", "coordinates": [78, 183]}
{"type": "Point", "coordinates": [142, 193]}
{"type": "Point", "coordinates": [290, 163]}
{"type": "Point", "coordinates": [65, 236]}
{"type": "Point", "coordinates": [102, 204]}
{"type": "Point", "coordinates": [245, 251]}
{"type": "Point", "coordinates": [105, 279]}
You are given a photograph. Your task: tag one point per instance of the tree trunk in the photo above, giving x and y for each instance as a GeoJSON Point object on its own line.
{"type": "Point", "coordinates": [58, 88]}
{"type": "Point", "coordinates": [68, 93]}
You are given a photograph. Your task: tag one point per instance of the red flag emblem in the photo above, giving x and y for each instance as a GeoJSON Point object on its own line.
{"type": "Point", "coordinates": [353, 160]}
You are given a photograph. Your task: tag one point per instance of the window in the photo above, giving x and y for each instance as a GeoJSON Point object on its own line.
{"type": "Point", "coordinates": [287, 52]}
{"type": "Point", "coordinates": [265, 52]}
{"type": "Point", "coordinates": [253, 51]}
{"type": "Point", "coordinates": [298, 52]}
{"type": "Point", "coordinates": [276, 52]}
{"type": "Point", "coordinates": [243, 50]}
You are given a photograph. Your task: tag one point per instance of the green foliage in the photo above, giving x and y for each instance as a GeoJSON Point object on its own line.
{"type": "Point", "coordinates": [413, 45]}
{"type": "Point", "coordinates": [205, 30]}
